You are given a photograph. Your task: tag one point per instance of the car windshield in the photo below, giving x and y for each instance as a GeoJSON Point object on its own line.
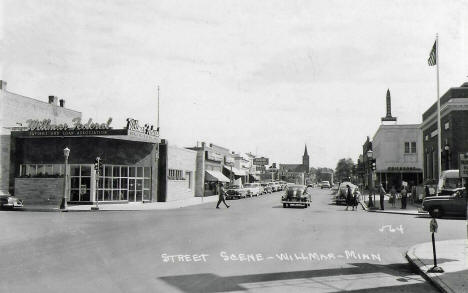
{"type": "Point", "coordinates": [234, 187]}
{"type": "Point", "coordinates": [248, 185]}
{"type": "Point", "coordinates": [451, 183]}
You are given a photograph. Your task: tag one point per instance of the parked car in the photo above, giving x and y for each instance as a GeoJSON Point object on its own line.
{"type": "Point", "coordinates": [273, 186]}
{"type": "Point", "coordinates": [8, 201]}
{"type": "Point", "coordinates": [296, 195]}
{"type": "Point", "coordinates": [340, 197]}
{"type": "Point", "coordinates": [236, 192]}
{"type": "Point", "coordinates": [324, 184]}
{"type": "Point", "coordinates": [454, 204]}
{"type": "Point", "coordinates": [266, 188]}
{"type": "Point", "coordinates": [278, 186]}
{"type": "Point", "coordinates": [253, 189]}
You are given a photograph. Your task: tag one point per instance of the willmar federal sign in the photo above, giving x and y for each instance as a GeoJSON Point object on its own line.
{"type": "Point", "coordinates": [44, 128]}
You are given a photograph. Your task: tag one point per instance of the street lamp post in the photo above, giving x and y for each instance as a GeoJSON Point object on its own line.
{"type": "Point", "coordinates": [370, 155]}
{"type": "Point", "coordinates": [63, 205]}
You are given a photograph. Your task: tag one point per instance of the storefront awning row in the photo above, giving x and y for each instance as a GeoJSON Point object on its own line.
{"type": "Point", "coordinates": [235, 171]}
{"type": "Point", "coordinates": [215, 176]}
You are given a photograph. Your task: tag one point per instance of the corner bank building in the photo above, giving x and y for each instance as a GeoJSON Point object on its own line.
{"type": "Point", "coordinates": [129, 158]}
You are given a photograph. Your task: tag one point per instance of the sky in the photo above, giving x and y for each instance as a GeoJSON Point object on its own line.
{"type": "Point", "coordinates": [265, 77]}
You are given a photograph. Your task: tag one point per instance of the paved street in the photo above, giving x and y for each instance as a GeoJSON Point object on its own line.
{"type": "Point", "coordinates": [255, 245]}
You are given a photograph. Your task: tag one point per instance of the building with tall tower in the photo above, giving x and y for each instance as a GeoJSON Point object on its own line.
{"type": "Point", "coordinates": [296, 173]}
{"type": "Point", "coordinates": [397, 149]}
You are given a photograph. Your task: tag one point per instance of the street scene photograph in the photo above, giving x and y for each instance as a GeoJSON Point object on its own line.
{"type": "Point", "coordinates": [233, 146]}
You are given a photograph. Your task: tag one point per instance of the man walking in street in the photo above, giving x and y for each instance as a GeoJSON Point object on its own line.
{"type": "Point", "coordinates": [382, 196]}
{"type": "Point", "coordinates": [221, 195]}
{"type": "Point", "coordinates": [404, 196]}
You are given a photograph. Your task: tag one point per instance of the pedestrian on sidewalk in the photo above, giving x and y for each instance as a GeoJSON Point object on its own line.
{"type": "Point", "coordinates": [356, 196]}
{"type": "Point", "coordinates": [404, 196]}
{"type": "Point", "coordinates": [382, 196]}
{"type": "Point", "coordinates": [393, 195]}
{"type": "Point", "coordinates": [349, 197]}
{"type": "Point", "coordinates": [221, 196]}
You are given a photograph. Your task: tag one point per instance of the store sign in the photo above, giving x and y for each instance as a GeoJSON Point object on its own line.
{"type": "Point", "coordinates": [261, 161]}
{"type": "Point", "coordinates": [44, 127]}
{"type": "Point", "coordinates": [134, 125]}
{"type": "Point", "coordinates": [38, 125]}
{"type": "Point", "coordinates": [463, 163]}
{"type": "Point", "coordinates": [402, 168]}
{"type": "Point", "coordinates": [214, 157]}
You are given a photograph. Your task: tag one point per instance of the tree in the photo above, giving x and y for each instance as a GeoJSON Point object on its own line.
{"type": "Point", "coordinates": [344, 169]}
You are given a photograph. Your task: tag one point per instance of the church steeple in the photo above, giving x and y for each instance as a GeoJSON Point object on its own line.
{"type": "Point", "coordinates": [305, 160]}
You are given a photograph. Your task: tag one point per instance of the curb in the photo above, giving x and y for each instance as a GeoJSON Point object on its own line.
{"type": "Point", "coordinates": [430, 277]}
{"type": "Point", "coordinates": [365, 207]}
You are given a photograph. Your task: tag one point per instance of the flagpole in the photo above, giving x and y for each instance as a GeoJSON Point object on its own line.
{"type": "Point", "coordinates": [439, 133]}
{"type": "Point", "coordinates": [157, 124]}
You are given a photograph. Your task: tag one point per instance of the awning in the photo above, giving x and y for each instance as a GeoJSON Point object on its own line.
{"type": "Point", "coordinates": [237, 172]}
{"type": "Point", "coordinates": [215, 176]}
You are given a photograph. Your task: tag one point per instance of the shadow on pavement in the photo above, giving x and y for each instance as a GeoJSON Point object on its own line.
{"type": "Point", "coordinates": [207, 282]}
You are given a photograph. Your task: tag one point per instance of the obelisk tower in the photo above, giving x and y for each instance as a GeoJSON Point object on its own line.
{"type": "Point", "coordinates": [389, 116]}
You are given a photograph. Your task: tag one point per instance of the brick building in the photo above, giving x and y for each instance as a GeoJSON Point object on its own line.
{"type": "Point", "coordinates": [15, 110]}
{"type": "Point", "coordinates": [454, 128]}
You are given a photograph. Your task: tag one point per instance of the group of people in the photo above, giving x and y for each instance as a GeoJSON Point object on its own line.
{"type": "Point", "coordinates": [393, 196]}
{"type": "Point", "coordinates": [352, 198]}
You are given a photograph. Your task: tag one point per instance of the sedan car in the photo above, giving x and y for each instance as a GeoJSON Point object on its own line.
{"type": "Point", "coordinates": [296, 195]}
{"type": "Point", "coordinates": [266, 188]}
{"type": "Point", "coordinates": [454, 204]}
{"type": "Point", "coordinates": [340, 197]}
{"type": "Point", "coordinates": [236, 192]}
{"type": "Point", "coordinates": [8, 201]}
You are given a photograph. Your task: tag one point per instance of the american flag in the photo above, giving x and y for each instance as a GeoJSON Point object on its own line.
{"type": "Point", "coordinates": [432, 56]}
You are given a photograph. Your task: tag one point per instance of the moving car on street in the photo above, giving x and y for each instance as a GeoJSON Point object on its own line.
{"type": "Point", "coordinates": [296, 195]}
{"type": "Point", "coordinates": [274, 187]}
{"type": "Point", "coordinates": [324, 184]}
{"type": "Point", "coordinates": [236, 192]}
{"type": "Point", "coordinates": [8, 201]}
{"type": "Point", "coordinates": [253, 189]}
{"type": "Point", "coordinates": [450, 205]}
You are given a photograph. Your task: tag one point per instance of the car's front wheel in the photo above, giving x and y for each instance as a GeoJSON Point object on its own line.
{"type": "Point", "coordinates": [284, 205]}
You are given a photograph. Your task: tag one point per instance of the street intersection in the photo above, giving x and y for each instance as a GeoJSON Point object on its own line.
{"type": "Point", "coordinates": [254, 246]}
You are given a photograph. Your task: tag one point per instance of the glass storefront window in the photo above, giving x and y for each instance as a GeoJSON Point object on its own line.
{"type": "Point", "coordinates": [40, 169]}
{"type": "Point", "coordinates": [85, 170]}
{"type": "Point", "coordinates": [75, 170]}
{"type": "Point", "coordinates": [126, 183]}
{"type": "Point", "coordinates": [116, 171]}
{"type": "Point", "coordinates": [147, 172]}
{"type": "Point", "coordinates": [130, 183]}
{"type": "Point", "coordinates": [49, 169]}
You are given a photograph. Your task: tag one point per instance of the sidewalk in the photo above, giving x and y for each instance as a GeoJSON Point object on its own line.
{"type": "Point", "coordinates": [452, 256]}
{"type": "Point", "coordinates": [137, 206]}
{"type": "Point", "coordinates": [411, 209]}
